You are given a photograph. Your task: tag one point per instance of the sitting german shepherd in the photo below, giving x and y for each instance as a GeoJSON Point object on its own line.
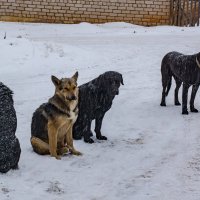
{"type": "Point", "coordinates": [184, 68]}
{"type": "Point", "coordinates": [52, 122]}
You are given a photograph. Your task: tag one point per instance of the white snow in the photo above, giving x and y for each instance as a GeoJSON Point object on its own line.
{"type": "Point", "coordinates": [152, 153]}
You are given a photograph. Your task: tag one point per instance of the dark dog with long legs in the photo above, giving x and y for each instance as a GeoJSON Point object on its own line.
{"type": "Point", "coordinates": [95, 99]}
{"type": "Point", "coordinates": [185, 69]}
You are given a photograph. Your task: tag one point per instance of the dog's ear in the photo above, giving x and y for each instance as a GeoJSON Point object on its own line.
{"type": "Point", "coordinates": [75, 76]}
{"type": "Point", "coordinates": [122, 82]}
{"type": "Point", "coordinates": [55, 80]}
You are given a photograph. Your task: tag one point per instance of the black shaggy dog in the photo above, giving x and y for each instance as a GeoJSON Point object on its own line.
{"type": "Point", "coordinates": [9, 145]}
{"type": "Point", "coordinates": [184, 68]}
{"type": "Point", "coordinates": [95, 99]}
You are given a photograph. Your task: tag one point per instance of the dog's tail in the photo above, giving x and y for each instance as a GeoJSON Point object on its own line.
{"type": "Point", "coordinates": [168, 85]}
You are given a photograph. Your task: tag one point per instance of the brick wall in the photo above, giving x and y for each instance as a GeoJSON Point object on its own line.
{"type": "Point", "coordinates": [142, 12]}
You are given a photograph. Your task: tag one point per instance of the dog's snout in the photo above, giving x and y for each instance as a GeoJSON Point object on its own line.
{"type": "Point", "coordinates": [115, 91]}
{"type": "Point", "coordinates": [72, 98]}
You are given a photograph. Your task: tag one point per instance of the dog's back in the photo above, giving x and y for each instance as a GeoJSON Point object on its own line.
{"type": "Point", "coordinates": [40, 119]}
{"type": "Point", "coordinates": [9, 144]}
{"type": "Point", "coordinates": [39, 123]}
{"type": "Point", "coordinates": [182, 66]}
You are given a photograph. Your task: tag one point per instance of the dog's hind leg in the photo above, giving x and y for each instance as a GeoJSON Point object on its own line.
{"type": "Point", "coordinates": [194, 91]}
{"type": "Point", "coordinates": [39, 146]}
{"type": "Point", "coordinates": [163, 103]}
{"type": "Point", "coordinates": [184, 98]}
{"type": "Point", "coordinates": [98, 123]}
{"type": "Point", "coordinates": [166, 82]}
{"type": "Point", "coordinates": [178, 85]}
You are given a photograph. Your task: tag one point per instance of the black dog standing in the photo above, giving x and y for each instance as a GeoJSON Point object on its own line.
{"type": "Point", "coordinates": [184, 68]}
{"type": "Point", "coordinates": [95, 99]}
{"type": "Point", "coordinates": [9, 145]}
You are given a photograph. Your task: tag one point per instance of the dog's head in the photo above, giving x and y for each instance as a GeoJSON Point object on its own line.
{"type": "Point", "coordinates": [66, 88]}
{"type": "Point", "coordinates": [111, 82]}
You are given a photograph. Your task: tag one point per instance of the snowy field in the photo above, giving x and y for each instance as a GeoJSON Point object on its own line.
{"type": "Point", "coordinates": [152, 153]}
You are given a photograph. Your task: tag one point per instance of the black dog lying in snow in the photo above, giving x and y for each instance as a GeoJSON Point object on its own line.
{"type": "Point", "coordinates": [9, 145]}
{"type": "Point", "coordinates": [95, 99]}
{"type": "Point", "coordinates": [184, 68]}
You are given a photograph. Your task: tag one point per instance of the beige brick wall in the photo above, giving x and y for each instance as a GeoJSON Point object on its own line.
{"type": "Point", "coordinates": [142, 12]}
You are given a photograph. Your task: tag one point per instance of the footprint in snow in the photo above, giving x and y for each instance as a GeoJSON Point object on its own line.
{"type": "Point", "coordinates": [54, 188]}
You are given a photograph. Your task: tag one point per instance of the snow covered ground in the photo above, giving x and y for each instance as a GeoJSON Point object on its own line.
{"type": "Point", "coordinates": [152, 153]}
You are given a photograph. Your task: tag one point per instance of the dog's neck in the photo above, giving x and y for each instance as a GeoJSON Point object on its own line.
{"type": "Point", "coordinates": [198, 64]}
{"type": "Point", "coordinates": [60, 103]}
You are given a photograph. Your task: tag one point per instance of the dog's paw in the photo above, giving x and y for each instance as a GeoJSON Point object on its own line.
{"type": "Point", "coordinates": [185, 112]}
{"type": "Point", "coordinates": [77, 153]}
{"type": "Point", "coordinates": [58, 157]}
{"type": "Point", "coordinates": [177, 103]}
{"type": "Point", "coordinates": [101, 137]}
{"type": "Point", "coordinates": [162, 104]}
{"type": "Point", "coordinates": [63, 151]}
{"type": "Point", "coordinates": [90, 140]}
{"type": "Point", "coordinates": [194, 110]}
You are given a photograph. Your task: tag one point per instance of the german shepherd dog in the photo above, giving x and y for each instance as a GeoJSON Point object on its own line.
{"type": "Point", "coordinates": [52, 122]}
{"type": "Point", "coordinates": [95, 99]}
{"type": "Point", "coordinates": [184, 68]}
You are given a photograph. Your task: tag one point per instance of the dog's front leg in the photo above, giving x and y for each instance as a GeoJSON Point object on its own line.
{"type": "Point", "coordinates": [87, 131]}
{"type": "Point", "coordinates": [184, 98]}
{"type": "Point", "coordinates": [52, 134]}
{"type": "Point", "coordinates": [98, 123]}
{"type": "Point", "coordinates": [69, 140]}
{"type": "Point", "coordinates": [194, 91]}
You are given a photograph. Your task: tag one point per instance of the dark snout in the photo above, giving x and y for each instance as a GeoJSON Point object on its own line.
{"type": "Point", "coordinates": [72, 98]}
{"type": "Point", "coordinates": [115, 91]}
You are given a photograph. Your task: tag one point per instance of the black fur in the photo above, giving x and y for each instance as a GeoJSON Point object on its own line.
{"type": "Point", "coordinates": [9, 145]}
{"type": "Point", "coordinates": [95, 99]}
{"type": "Point", "coordinates": [184, 69]}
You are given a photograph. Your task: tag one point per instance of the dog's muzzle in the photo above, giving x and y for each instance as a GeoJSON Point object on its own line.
{"type": "Point", "coordinates": [72, 98]}
{"type": "Point", "coordinates": [115, 92]}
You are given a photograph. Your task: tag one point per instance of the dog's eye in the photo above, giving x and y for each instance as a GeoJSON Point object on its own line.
{"type": "Point", "coordinates": [74, 88]}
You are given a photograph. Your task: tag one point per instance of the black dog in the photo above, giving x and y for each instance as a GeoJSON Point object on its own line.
{"type": "Point", "coordinates": [95, 99]}
{"type": "Point", "coordinates": [184, 68]}
{"type": "Point", "coordinates": [9, 145]}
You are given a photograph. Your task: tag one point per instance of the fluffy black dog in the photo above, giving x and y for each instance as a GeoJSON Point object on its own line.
{"type": "Point", "coordinates": [95, 99]}
{"type": "Point", "coordinates": [9, 145]}
{"type": "Point", "coordinates": [184, 68]}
